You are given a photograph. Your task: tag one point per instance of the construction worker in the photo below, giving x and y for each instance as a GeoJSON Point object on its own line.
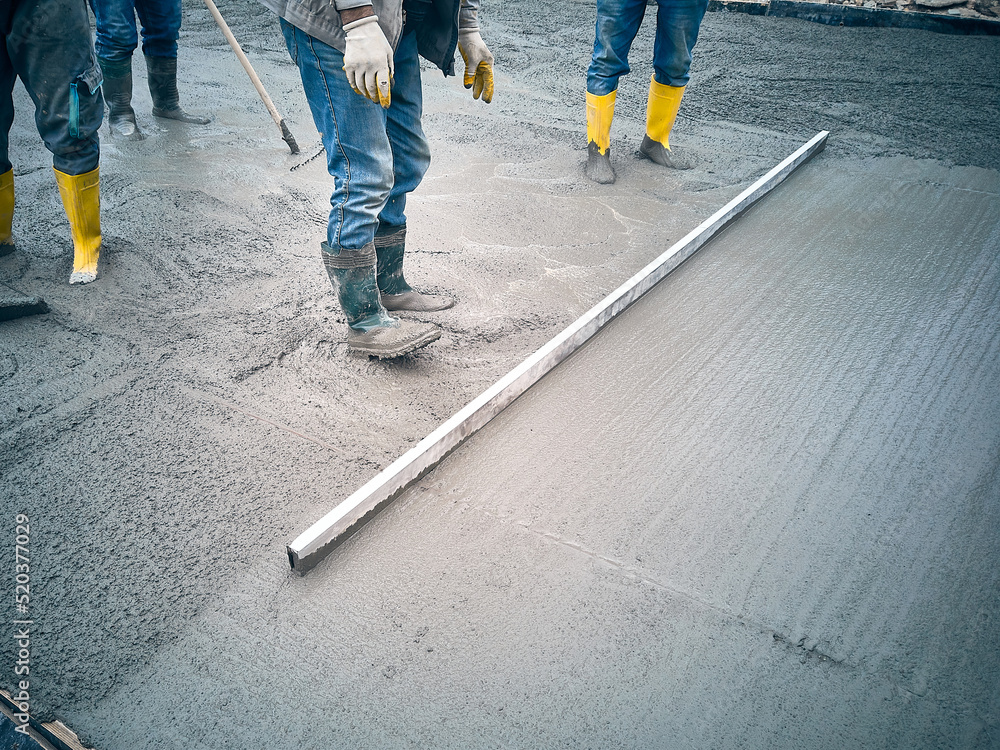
{"type": "Point", "coordinates": [117, 39]}
{"type": "Point", "coordinates": [359, 65]}
{"type": "Point", "coordinates": [618, 21]}
{"type": "Point", "coordinates": [46, 43]}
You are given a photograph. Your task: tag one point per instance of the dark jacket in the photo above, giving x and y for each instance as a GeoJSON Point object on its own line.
{"type": "Point", "coordinates": [437, 37]}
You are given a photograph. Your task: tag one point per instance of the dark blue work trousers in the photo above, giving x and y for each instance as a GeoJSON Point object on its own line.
{"type": "Point", "coordinates": [618, 21]}
{"type": "Point", "coordinates": [46, 43]}
{"type": "Point", "coordinates": [117, 35]}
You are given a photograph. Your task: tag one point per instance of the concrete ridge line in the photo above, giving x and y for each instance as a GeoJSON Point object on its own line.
{"type": "Point", "coordinates": [306, 550]}
{"type": "Point", "coordinates": [198, 393]}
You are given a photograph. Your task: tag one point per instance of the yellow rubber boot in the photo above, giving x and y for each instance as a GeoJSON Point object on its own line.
{"type": "Point", "coordinates": [81, 197]}
{"type": "Point", "coordinates": [6, 212]}
{"type": "Point", "coordinates": [600, 111]}
{"type": "Point", "coordinates": [661, 112]}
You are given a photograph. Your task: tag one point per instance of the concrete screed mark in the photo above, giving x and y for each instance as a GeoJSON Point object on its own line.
{"type": "Point", "coordinates": [329, 532]}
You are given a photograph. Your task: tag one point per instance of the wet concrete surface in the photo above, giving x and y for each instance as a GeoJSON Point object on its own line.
{"type": "Point", "coordinates": [170, 427]}
{"type": "Point", "coordinates": [775, 523]}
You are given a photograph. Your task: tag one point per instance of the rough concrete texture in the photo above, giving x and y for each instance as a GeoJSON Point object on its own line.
{"type": "Point", "coordinates": [171, 426]}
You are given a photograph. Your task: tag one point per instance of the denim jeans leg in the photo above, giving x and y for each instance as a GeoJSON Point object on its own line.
{"type": "Point", "coordinates": [116, 37]}
{"type": "Point", "coordinates": [677, 24]}
{"type": "Point", "coordinates": [411, 154]}
{"type": "Point", "coordinates": [161, 25]}
{"type": "Point", "coordinates": [618, 22]}
{"type": "Point", "coordinates": [353, 128]}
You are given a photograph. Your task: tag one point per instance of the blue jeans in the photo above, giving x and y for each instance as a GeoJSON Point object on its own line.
{"type": "Point", "coordinates": [618, 21]}
{"type": "Point", "coordinates": [47, 45]}
{"type": "Point", "coordinates": [117, 37]}
{"type": "Point", "coordinates": [376, 156]}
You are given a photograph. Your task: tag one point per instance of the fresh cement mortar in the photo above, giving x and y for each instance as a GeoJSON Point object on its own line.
{"type": "Point", "coordinates": [776, 527]}
{"type": "Point", "coordinates": [182, 418]}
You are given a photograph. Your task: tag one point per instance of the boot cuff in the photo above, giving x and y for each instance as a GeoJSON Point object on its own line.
{"type": "Point", "coordinates": [115, 68]}
{"type": "Point", "coordinates": [363, 258]}
{"type": "Point", "coordinates": [161, 65]}
{"type": "Point", "coordinates": [387, 235]}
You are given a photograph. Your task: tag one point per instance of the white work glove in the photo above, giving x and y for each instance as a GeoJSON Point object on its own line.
{"type": "Point", "coordinates": [368, 60]}
{"type": "Point", "coordinates": [478, 64]}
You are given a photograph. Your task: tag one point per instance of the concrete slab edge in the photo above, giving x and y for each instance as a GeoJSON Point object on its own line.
{"type": "Point", "coordinates": [51, 735]}
{"type": "Point", "coordinates": [331, 530]}
{"type": "Point", "coordinates": [834, 14]}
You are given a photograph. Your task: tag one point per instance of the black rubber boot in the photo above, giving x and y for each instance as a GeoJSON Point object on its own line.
{"type": "Point", "coordinates": [371, 330]}
{"type": "Point", "coordinates": [667, 157]}
{"type": "Point", "coordinates": [599, 165]}
{"type": "Point", "coordinates": [390, 245]}
{"type": "Point", "coordinates": [162, 75]}
{"type": "Point", "coordinates": [118, 95]}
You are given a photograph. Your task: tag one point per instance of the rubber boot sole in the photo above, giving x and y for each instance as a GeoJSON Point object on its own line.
{"type": "Point", "coordinates": [655, 152]}
{"type": "Point", "coordinates": [389, 343]}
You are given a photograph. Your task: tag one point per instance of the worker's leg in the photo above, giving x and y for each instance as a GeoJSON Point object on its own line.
{"type": "Point", "coordinates": [618, 22]}
{"type": "Point", "coordinates": [161, 25]}
{"type": "Point", "coordinates": [7, 78]}
{"type": "Point", "coordinates": [677, 25]}
{"type": "Point", "coordinates": [411, 156]}
{"type": "Point", "coordinates": [49, 47]}
{"type": "Point", "coordinates": [115, 41]}
{"type": "Point", "coordinates": [117, 36]}
{"type": "Point", "coordinates": [359, 157]}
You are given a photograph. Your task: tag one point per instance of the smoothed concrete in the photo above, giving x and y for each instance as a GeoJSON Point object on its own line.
{"type": "Point", "coordinates": [760, 509]}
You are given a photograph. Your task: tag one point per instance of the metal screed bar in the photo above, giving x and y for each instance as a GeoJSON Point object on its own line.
{"type": "Point", "coordinates": [328, 532]}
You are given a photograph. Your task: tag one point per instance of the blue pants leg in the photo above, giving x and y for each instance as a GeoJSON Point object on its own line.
{"type": "Point", "coordinates": [161, 26]}
{"type": "Point", "coordinates": [7, 78]}
{"type": "Point", "coordinates": [117, 31]}
{"type": "Point", "coordinates": [48, 46]}
{"type": "Point", "coordinates": [411, 154]}
{"type": "Point", "coordinates": [677, 25]}
{"type": "Point", "coordinates": [359, 136]}
{"type": "Point", "coordinates": [618, 21]}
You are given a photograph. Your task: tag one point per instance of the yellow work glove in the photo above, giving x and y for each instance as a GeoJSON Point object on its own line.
{"type": "Point", "coordinates": [478, 64]}
{"type": "Point", "coordinates": [368, 60]}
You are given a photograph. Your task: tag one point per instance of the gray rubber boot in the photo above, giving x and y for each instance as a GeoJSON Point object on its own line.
{"type": "Point", "coordinates": [599, 167]}
{"type": "Point", "coordinates": [371, 330]}
{"type": "Point", "coordinates": [390, 245]}
{"type": "Point", "coordinates": [161, 73]}
{"type": "Point", "coordinates": [655, 151]}
{"type": "Point", "coordinates": [118, 95]}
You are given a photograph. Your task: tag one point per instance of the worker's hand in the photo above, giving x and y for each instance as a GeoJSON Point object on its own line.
{"type": "Point", "coordinates": [368, 60]}
{"type": "Point", "coordinates": [478, 64]}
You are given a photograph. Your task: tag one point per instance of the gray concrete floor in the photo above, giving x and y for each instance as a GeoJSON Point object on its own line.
{"type": "Point", "coordinates": [172, 426]}
{"type": "Point", "coordinates": [759, 510]}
